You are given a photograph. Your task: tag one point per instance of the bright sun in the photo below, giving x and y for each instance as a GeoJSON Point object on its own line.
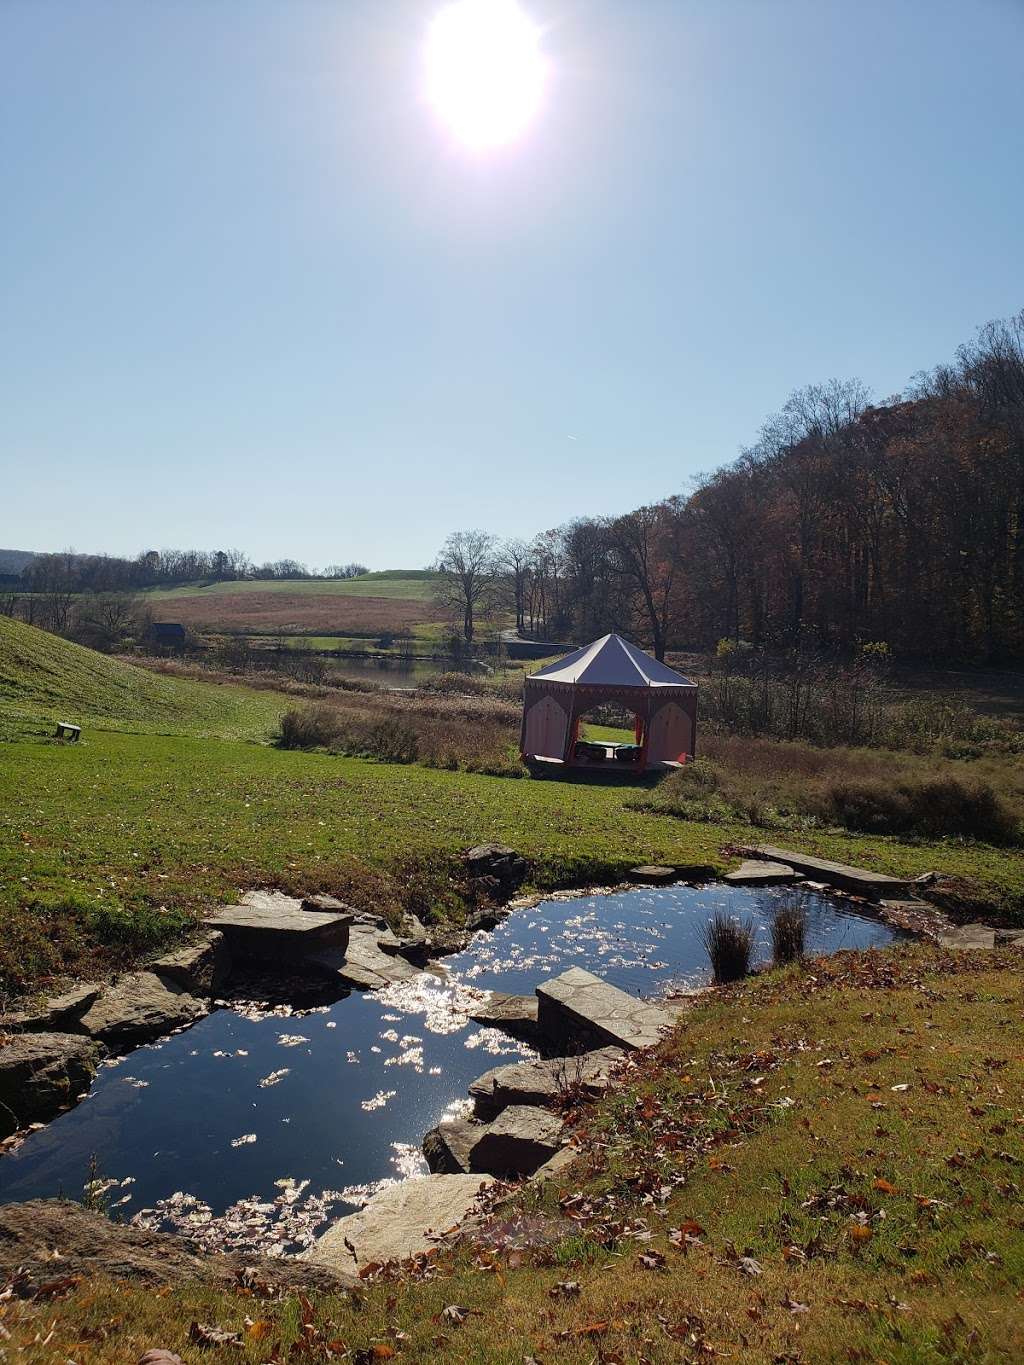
{"type": "Point", "coordinates": [485, 71]}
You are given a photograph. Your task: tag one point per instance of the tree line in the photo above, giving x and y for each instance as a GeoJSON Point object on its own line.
{"type": "Point", "coordinates": [160, 569]}
{"type": "Point", "coordinates": [846, 523]}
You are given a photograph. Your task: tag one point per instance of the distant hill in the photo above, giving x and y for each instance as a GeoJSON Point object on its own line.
{"type": "Point", "coordinates": [44, 679]}
{"type": "Point", "coordinates": [13, 561]}
{"type": "Point", "coordinates": [365, 607]}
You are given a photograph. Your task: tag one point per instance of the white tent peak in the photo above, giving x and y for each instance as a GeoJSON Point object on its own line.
{"type": "Point", "coordinates": [611, 661]}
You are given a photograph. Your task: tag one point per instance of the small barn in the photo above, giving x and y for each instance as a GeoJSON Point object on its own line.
{"type": "Point", "coordinates": [168, 634]}
{"type": "Point", "coordinates": [662, 702]}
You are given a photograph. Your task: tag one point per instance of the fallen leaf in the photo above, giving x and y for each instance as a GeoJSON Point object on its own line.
{"type": "Point", "coordinates": [794, 1306]}
{"type": "Point", "coordinates": [564, 1289]}
{"type": "Point", "coordinates": [456, 1313]}
{"type": "Point", "coordinates": [204, 1335]}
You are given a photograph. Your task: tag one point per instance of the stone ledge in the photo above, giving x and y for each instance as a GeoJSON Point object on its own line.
{"type": "Point", "coordinates": [578, 1008]}
{"type": "Point", "coordinates": [403, 1220]}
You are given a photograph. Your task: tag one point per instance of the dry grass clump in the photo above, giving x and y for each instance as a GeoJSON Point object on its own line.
{"type": "Point", "coordinates": [471, 734]}
{"type": "Point", "coordinates": [789, 933]}
{"type": "Point", "coordinates": [936, 807]}
{"type": "Point", "coordinates": [729, 944]}
{"type": "Point", "coordinates": [786, 785]}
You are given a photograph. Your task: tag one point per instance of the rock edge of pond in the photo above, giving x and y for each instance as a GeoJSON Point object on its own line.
{"type": "Point", "coordinates": [49, 1060]}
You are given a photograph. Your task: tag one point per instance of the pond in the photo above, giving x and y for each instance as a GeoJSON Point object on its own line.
{"type": "Point", "coordinates": [254, 1126]}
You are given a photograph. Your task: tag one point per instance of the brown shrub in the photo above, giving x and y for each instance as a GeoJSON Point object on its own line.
{"type": "Point", "coordinates": [936, 807]}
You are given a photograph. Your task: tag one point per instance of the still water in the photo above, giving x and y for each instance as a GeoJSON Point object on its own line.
{"type": "Point", "coordinates": [254, 1126]}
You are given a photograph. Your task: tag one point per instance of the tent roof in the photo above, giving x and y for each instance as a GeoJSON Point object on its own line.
{"type": "Point", "coordinates": [611, 662]}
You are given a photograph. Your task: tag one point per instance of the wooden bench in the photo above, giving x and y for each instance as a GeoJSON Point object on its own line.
{"type": "Point", "coordinates": [65, 730]}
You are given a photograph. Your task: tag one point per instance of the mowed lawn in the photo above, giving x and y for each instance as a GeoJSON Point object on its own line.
{"type": "Point", "coordinates": [125, 825]}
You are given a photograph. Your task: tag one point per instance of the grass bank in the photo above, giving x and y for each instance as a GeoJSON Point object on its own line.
{"type": "Point", "coordinates": [44, 678]}
{"type": "Point", "coordinates": [822, 1164]}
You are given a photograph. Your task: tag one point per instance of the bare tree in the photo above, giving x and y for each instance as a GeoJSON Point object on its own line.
{"type": "Point", "coordinates": [514, 559]}
{"type": "Point", "coordinates": [467, 572]}
{"type": "Point", "coordinates": [645, 551]}
{"type": "Point", "coordinates": [107, 619]}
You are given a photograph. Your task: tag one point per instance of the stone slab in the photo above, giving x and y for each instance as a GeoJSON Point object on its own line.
{"type": "Point", "coordinates": [861, 881]}
{"type": "Point", "coordinates": [515, 1015]}
{"type": "Point", "coordinates": [555, 1167]}
{"type": "Point", "coordinates": [139, 1006]}
{"type": "Point", "coordinates": [201, 967]}
{"type": "Point", "coordinates": [579, 1009]}
{"type": "Point", "coordinates": [283, 928]}
{"type": "Point", "coordinates": [519, 1140]}
{"type": "Point", "coordinates": [402, 1220]}
{"type": "Point", "coordinates": [55, 1014]}
{"type": "Point", "coordinates": [46, 1239]}
{"type": "Point", "coordinates": [449, 1146]}
{"type": "Point", "coordinates": [361, 964]}
{"type": "Point", "coordinates": [42, 1073]}
{"type": "Point", "coordinates": [969, 936]}
{"type": "Point", "coordinates": [753, 872]}
{"type": "Point", "coordinates": [652, 875]}
{"type": "Point", "coordinates": [543, 1082]}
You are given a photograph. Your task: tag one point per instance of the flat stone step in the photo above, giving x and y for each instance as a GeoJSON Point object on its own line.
{"type": "Point", "coordinates": [402, 1220]}
{"type": "Point", "coordinates": [652, 875]}
{"type": "Point", "coordinates": [515, 1015]}
{"type": "Point", "coordinates": [754, 872]}
{"type": "Point", "coordinates": [968, 936]}
{"type": "Point", "coordinates": [361, 963]}
{"type": "Point", "coordinates": [542, 1082]}
{"type": "Point", "coordinates": [284, 928]}
{"type": "Point", "coordinates": [859, 880]}
{"type": "Point", "coordinates": [578, 1009]}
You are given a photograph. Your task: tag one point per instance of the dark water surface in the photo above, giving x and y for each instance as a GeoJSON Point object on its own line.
{"type": "Point", "coordinates": [253, 1126]}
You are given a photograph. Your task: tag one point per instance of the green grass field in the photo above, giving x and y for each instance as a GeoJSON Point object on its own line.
{"type": "Point", "coordinates": [819, 1165]}
{"type": "Point", "coordinates": [173, 799]}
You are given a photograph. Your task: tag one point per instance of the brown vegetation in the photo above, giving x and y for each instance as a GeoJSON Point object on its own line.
{"type": "Point", "coordinates": [301, 611]}
{"type": "Point", "coordinates": [774, 784]}
{"type": "Point", "coordinates": [474, 734]}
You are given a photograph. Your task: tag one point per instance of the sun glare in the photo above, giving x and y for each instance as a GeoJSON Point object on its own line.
{"type": "Point", "coordinates": [485, 70]}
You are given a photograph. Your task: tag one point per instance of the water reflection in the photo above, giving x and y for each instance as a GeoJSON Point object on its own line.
{"type": "Point", "coordinates": [255, 1126]}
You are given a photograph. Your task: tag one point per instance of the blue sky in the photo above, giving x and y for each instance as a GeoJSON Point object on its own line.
{"type": "Point", "coordinates": [253, 293]}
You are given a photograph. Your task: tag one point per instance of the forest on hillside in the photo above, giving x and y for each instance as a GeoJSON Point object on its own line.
{"type": "Point", "coordinates": [846, 523]}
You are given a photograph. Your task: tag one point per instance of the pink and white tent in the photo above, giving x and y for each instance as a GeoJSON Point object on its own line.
{"type": "Point", "coordinates": [663, 702]}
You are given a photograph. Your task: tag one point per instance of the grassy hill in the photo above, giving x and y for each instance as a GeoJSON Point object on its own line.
{"type": "Point", "coordinates": [365, 608]}
{"type": "Point", "coordinates": [44, 679]}
{"type": "Point", "coordinates": [414, 585]}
